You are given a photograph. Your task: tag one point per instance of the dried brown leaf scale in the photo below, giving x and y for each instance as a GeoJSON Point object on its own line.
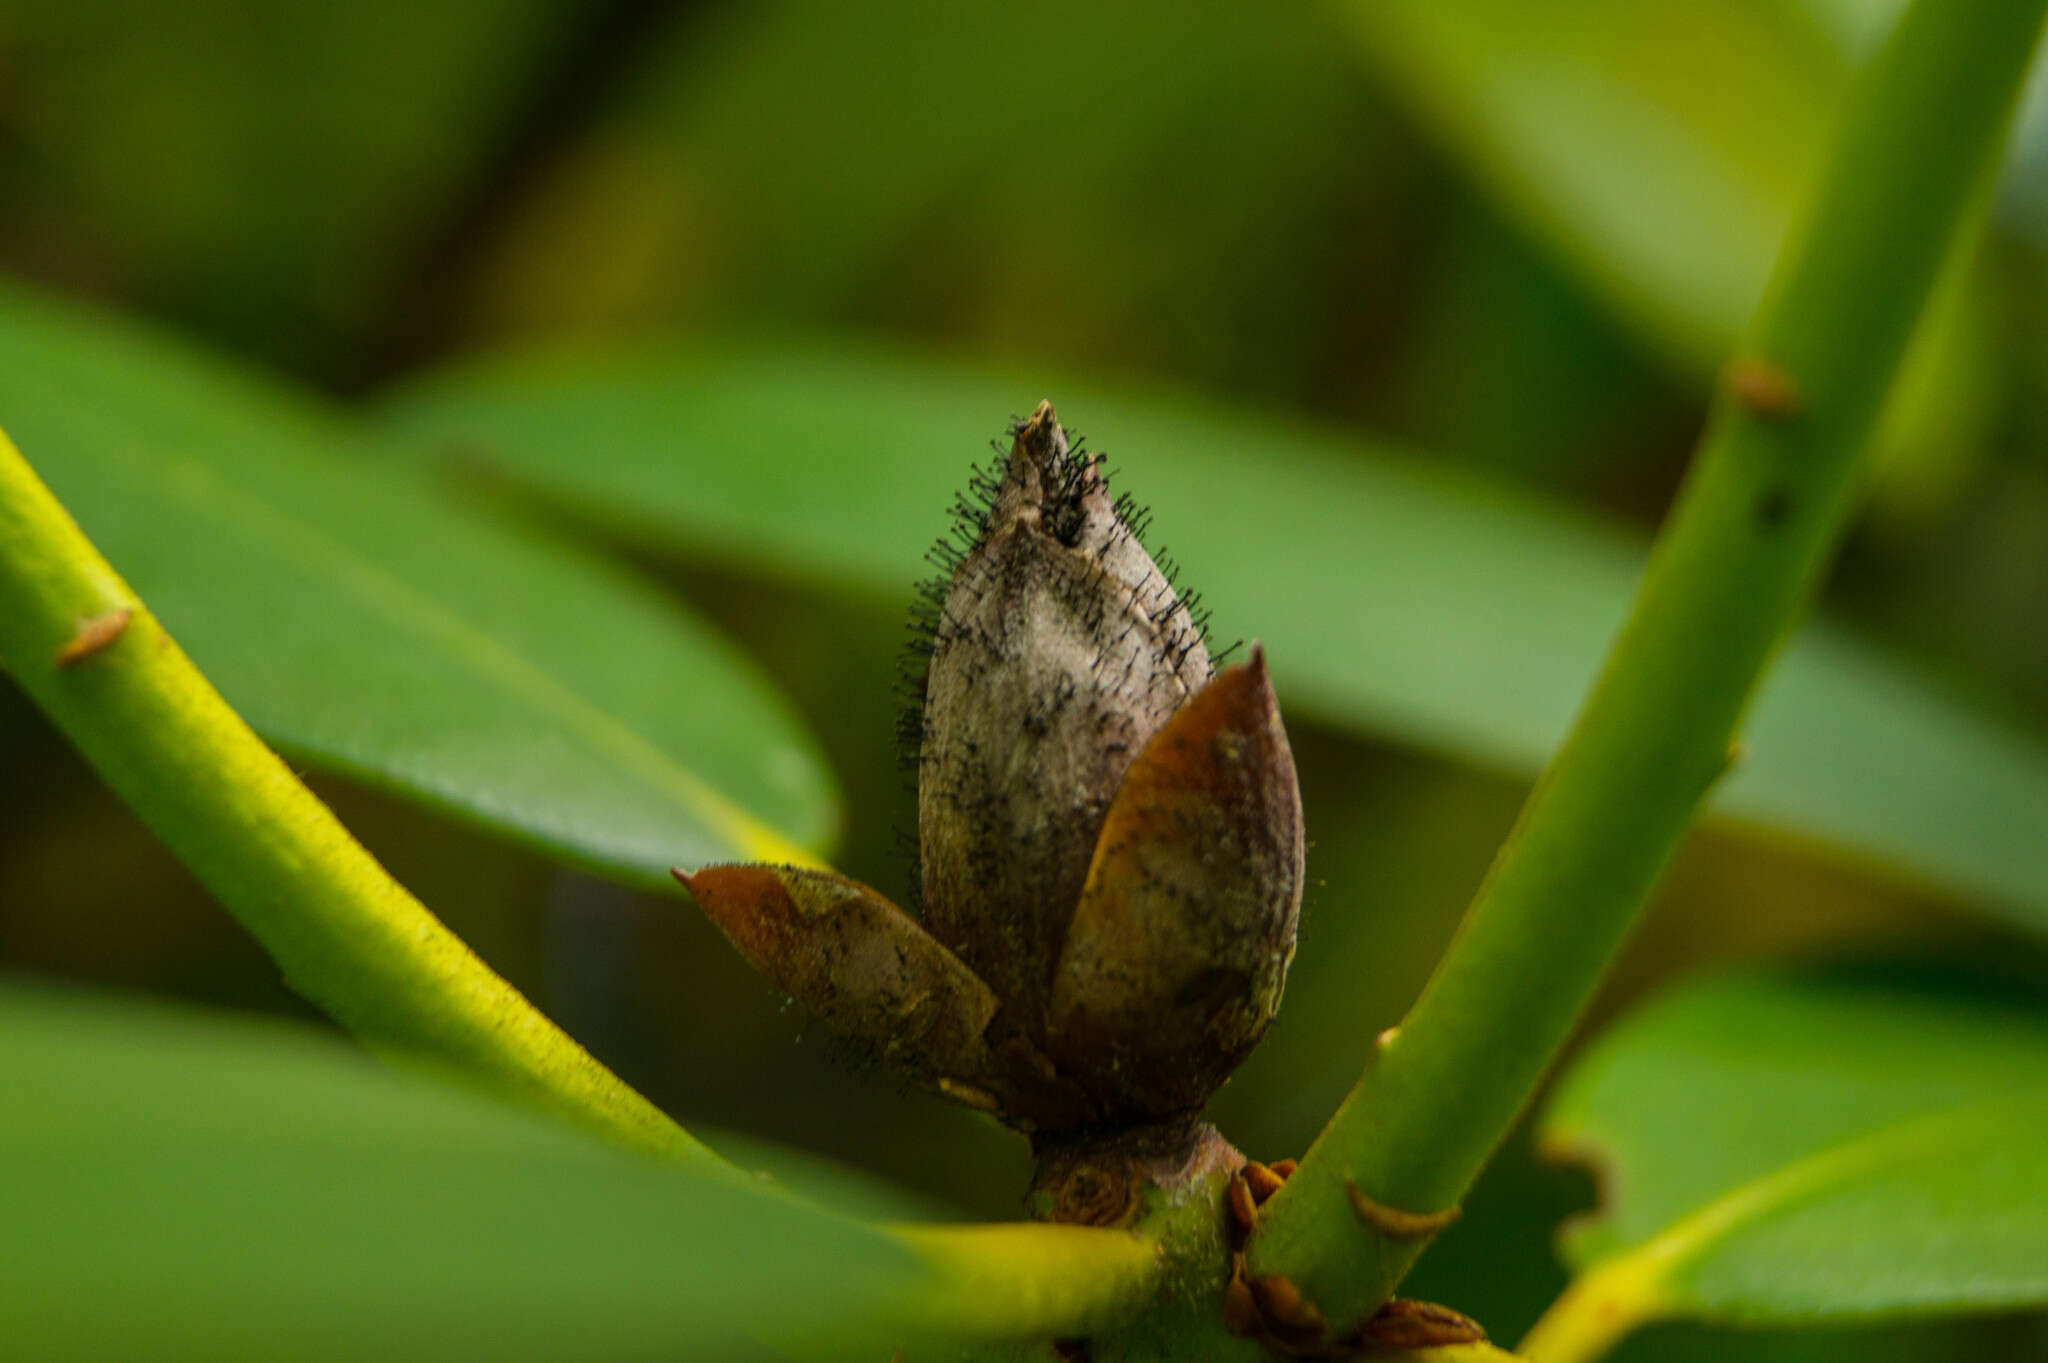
{"type": "Point", "coordinates": [856, 960]}
{"type": "Point", "coordinates": [92, 635]}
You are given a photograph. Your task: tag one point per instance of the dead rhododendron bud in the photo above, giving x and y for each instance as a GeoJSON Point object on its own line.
{"type": "Point", "coordinates": [1109, 831]}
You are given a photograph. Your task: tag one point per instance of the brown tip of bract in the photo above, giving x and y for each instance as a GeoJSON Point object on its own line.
{"type": "Point", "coordinates": [750, 905]}
{"type": "Point", "coordinates": [1241, 698]}
{"type": "Point", "coordinates": [1227, 739]}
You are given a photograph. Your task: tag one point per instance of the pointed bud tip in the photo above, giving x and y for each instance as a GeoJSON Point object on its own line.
{"type": "Point", "coordinates": [1040, 433]}
{"type": "Point", "coordinates": [712, 880]}
{"type": "Point", "coordinates": [1254, 670]}
{"type": "Point", "coordinates": [722, 884]}
{"type": "Point", "coordinates": [1242, 694]}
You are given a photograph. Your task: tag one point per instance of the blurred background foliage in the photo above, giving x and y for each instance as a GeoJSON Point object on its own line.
{"type": "Point", "coordinates": [1516, 239]}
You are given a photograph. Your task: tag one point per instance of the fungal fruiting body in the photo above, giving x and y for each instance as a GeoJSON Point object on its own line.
{"type": "Point", "coordinates": [1109, 832]}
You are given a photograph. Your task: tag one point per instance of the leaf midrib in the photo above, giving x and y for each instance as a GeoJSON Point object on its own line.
{"type": "Point", "coordinates": [1654, 1266]}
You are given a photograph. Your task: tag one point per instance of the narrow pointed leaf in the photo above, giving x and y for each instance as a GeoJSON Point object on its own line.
{"type": "Point", "coordinates": [365, 621]}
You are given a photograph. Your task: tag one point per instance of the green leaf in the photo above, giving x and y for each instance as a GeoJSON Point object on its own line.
{"type": "Point", "coordinates": [367, 622]}
{"type": "Point", "coordinates": [185, 1187]}
{"type": "Point", "coordinates": [1392, 596]}
{"type": "Point", "coordinates": [1719, 1084]}
{"type": "Point", "coordinates": [826, 1182]}
{"type": "Point", "coordinates": [1797, 1148]}
{"type": "Point", "coordinates": [1949, 1213]}
{"type": "Point", "coordinates": [1660, 153]}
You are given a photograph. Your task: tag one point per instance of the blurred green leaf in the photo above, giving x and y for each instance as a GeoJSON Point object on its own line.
{"type": "Point", "coordinates": [1209, 198]}
{"type": "Point", "coordinates": [1945, 1213]}
{"type": "Point", "coordinates": [1393, 597]}
{"type": "Point", "coordinates": [274, 171]}
{"type": "Point", "coordinates": [364, 621]}
{"type": "Point", "coordinates": [180, 1186]}
{"type": "Point", "coordinates": [1787, 1149]}
{"type": "Point", "coordinates": [1661, 152]}
{"type": "Point", "coordinates": [1720, 1084]}
{"type": "Point", "coordinates": [827, 1182]}
{"type": "Point", "coordinates": [1659, 149]}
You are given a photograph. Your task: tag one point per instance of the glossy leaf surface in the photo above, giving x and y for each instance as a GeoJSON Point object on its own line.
{"type": "Point", "coordinates": [180, 1186]}
{"type": "Point", "coordinates": [1796, 1148]}
{"type": "Point", "coordinates": [364, 620]}
{"type": "Point", "coordinates": [1392, 596]}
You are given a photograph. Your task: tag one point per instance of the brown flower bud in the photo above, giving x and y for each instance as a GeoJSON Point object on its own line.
{"type": "Point", "coordinates": [1111, 842]}
{"type": "Point", "coordinates": [1059, 650]}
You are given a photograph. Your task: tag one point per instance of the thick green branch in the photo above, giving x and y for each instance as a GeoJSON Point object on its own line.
{"type": "Point", "coordinates": [348, 936]}
{"type": "Point", "coordinates": [1760, 511]}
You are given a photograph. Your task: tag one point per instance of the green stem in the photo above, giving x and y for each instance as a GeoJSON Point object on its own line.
{"type": "Point", "coordinates": [347, 935]}
{"type": "Point", "coordinates": [1751, 531]}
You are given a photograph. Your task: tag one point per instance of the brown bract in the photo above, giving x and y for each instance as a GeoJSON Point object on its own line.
{"type": "Point", "coordinates": [856, 960]}
{"type": "Point", "coordinates": [1178, 948]}
{"type": "Point", "coordinates": [1111, 842]}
